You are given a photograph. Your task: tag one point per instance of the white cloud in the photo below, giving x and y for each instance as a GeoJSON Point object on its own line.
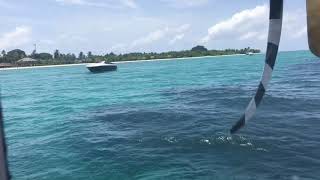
{"type": "Point", "coordinates": [169, 34]}
{"type": "Point", "coordinates": [129, 3]}
{"type": "Point", "coordinates": [185, 3]}
{"type": "Point", "coordinates": [176, 38]}
{"type": "Point", "coordinates": [252, 24]}
{"type": "Point", "coordinates": [100, 3]}
{"type": "Point", "coordinates": [249, 35]}
{"type": "Point", "coordinates": [20, 36]}
{"type": "Point", "coordinates": [262, 36]}
{"type": "Point", "coordinates": [302, 32]}
{"type": "Point", "coordinates": [151, 37]}
{"type": "Point", "coordinates": [295, 25]}
{"type": "Point", "coordinates": [183, 28]}
{"type": "Point", "coordinates": [118, 48]}
{"type": "Point", "coordinates": [163, 33]}
{"type": "Point", "coordinates": [249, 23]}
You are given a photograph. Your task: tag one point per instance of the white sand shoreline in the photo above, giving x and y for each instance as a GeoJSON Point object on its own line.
{"type": "Point", "coordinates": [48, 66]}
{"type": "Point", "coordinates": [119, 62]}
{"type": "Point", "coordinates": [184, 58]}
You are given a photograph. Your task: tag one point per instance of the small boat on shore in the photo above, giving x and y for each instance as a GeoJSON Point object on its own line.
{"type": "Point", "coordinates": [101, 67]}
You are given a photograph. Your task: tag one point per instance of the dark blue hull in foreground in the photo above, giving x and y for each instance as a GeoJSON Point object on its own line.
{"type": "Point", "coordinates": [101, 67]}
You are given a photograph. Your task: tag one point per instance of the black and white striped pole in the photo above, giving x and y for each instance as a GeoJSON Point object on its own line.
{"type": "Point", "coordinates": [4, 170]}
{"type": "Point", "coordinates": [275, 26]}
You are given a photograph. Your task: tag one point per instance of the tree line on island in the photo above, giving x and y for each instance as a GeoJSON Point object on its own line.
{"type": "Point", "coordinates": [15, 57]}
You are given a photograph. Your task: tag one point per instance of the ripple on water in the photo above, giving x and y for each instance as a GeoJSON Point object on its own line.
{"type": "Point", "coordinates": [217, 142]}
{"type": "Point", "coordinates": [164, 120]}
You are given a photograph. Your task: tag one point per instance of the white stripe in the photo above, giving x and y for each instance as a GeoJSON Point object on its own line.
{"type": "Point", "coordinates": [266, 77]}
{"type": "Point", "coordinates": [251, 109]}
{"type": "Point", "coordinates": [275, 31]}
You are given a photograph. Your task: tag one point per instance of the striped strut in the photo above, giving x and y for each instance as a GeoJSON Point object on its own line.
{"type": "Point", "coordinates": [275, 26]}
{"type": "Point", "coordinates": [4, 171]}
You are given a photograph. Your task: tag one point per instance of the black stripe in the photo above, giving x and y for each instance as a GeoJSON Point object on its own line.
{"type": "Point", "coordinates": [276, 12]}
{"type": "Point", "coordinates": [259, 95]}
{"type": "Point", "coordinates": [4, 146]}
{"type": "Point", "coordinates": [239, 125]}
{"type": "Point", "coordinates": [272, 51]}
{"type": "Point", "coordinates": [276, 8]}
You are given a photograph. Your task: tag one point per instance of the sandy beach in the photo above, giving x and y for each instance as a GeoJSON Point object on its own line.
{"type": "Point", "coordinates": [185, 58]}
{"type": "Point", "coordinates": [119, 62]}
{"type": "Point", "coordinates": [49, 66]}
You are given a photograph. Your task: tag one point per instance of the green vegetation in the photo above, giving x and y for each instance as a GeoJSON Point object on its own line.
{"type": "Point", "coordinates": [12, 56]}
{"type": "Point", "coordinates": [59, 58]}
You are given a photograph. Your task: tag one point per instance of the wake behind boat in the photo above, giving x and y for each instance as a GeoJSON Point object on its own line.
{"type": "Point", "coordinates": [101, 67]}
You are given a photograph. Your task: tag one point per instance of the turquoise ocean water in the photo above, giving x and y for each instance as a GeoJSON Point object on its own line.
{"type": "Point", "coordinates": [164, 120]}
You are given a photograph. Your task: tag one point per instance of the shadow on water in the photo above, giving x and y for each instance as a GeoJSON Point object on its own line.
{"type": "Point", "coordinates": [188, 137]}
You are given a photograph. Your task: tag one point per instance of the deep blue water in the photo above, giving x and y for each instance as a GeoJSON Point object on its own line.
{"type": "Point", "coordinates": [164, 120]}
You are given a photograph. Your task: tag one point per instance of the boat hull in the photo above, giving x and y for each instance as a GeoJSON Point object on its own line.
{"type": "Point", "coordinates": [102, 68]}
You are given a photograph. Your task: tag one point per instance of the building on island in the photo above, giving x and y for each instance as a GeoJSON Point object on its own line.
{"type": "Point", "coordinates": [6, 65]}
{"type": "Point", "coordinates": [27, 62]}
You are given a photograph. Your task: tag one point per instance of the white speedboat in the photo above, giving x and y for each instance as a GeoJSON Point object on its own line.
{"type": "Point", "coordinates": [249, 54]}
{"type": "Point", "coordinates": [101, 67]}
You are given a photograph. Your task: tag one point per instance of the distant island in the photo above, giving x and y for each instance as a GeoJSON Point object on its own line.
{"type": "Point", "coordinates": [18, 58]}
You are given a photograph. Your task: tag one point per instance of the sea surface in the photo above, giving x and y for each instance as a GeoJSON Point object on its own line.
{"type": "Point", "coordinates": [164, 120]}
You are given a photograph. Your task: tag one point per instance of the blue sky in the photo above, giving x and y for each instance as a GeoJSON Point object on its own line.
{"type": "Point", "coordinates": [120, 26]}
